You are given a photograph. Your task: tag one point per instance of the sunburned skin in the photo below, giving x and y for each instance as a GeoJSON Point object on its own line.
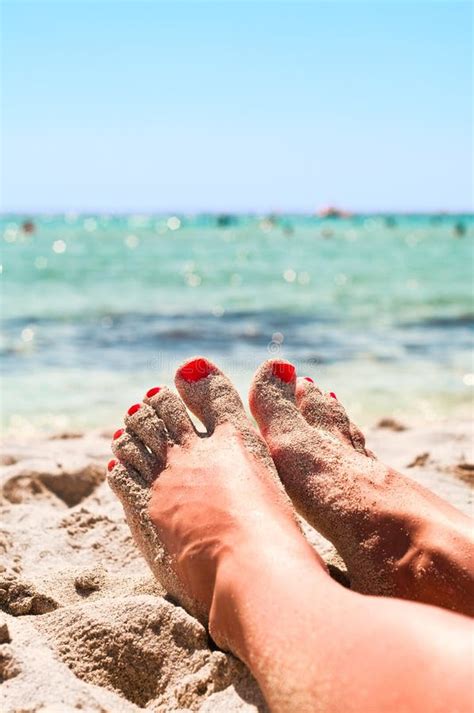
{"type": "Point", "coordinates": [218, 530]}
{"type": "Point", "coordinates": [396, 537]}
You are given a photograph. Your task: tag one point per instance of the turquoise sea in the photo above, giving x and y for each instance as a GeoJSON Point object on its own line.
{"type": "Point", "coordinates": [96, 309]}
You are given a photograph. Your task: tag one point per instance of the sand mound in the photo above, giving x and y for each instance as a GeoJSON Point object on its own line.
{"type": "Point", "coordinates": [143, 647]}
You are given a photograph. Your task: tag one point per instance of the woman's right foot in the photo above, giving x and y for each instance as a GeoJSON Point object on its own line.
{"type": "Point", "coordinates": [396, 537]}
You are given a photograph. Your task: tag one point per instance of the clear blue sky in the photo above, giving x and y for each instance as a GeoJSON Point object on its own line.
{"type": "Point", "coordinates": [139, 106]}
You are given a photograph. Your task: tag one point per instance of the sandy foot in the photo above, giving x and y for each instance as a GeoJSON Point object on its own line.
{"type": "Point", "coordinates": [395, 537]}
{"type": "Point", "coordinates": [189, 497]}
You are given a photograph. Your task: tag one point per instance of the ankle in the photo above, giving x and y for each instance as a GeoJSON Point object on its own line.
{"type": "Point", "coordinates": [254, 572]}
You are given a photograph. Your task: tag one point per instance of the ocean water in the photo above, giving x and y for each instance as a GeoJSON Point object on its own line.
{"type": "Point", "coordinates": [96, 309]}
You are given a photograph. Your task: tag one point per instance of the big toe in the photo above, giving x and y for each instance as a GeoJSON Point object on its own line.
{"type": "Point", "coordinates": [209, 394]}
{"type": "Point", "coordinates": [272, 399]}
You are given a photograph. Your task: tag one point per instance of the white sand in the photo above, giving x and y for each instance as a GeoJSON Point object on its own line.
{"type": "Point", "coordinates": [85, 626]}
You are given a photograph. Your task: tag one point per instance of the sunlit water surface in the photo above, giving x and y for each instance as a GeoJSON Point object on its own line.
{"type": "Point", "coordinates": [96, 309]}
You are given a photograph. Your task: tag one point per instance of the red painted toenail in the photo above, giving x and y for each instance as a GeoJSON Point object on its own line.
{"type": "Point", "coordinates": [111, 465]}
{"type": "Point", "coordinates": [153, 391]}
{"type": "Point", "coordinates": [333, 395]}
{"type": "Point", "coordinates": [118, 433]}
{"type": "Point", "coordinates": [308, 378]}
{"type": "Point", "coordinates": [283, 370]}
{"type": "Point", "coordinates": [195, 370]}
{"type": "Point", "coordinates": [133, 409]}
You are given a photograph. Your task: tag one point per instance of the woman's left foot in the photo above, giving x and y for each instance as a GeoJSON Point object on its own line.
{"type": "Point", "coordinates": [396, 537]}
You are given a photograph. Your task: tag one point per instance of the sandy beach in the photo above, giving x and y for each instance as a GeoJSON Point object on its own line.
{"type": "Point", "coordinates": [80, 604]}
{"type": "Point", "coordinates": [216, 207]}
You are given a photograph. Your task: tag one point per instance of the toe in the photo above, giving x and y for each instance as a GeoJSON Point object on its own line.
{"type": "Point", "coordinates": [272, 398]}
{"type": "Point", "coordinates": [142, 421]}
{"type": "Point", "coordinates": [172, 412]}
{"type": "Point", "coordinates": [132, 453]}
{"type": "Point", "coordinates": [324, 412]}
{"type": "Point", "coordinates": [358, 440]}
{"type": "Point", "coordinates": [126, 483]}
{"type": "Point", "coordinates": [209, 394]}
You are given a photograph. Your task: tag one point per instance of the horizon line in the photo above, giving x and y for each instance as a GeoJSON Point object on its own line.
{"type": "Point", "coordinates": [345, 214]}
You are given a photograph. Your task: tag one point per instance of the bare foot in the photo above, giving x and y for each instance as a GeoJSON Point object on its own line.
{"type": "Point", "coordinates": [218, 530]}
{"type": "Point", "coordinates": [217, 496]}
{"type": "Point", "coordinates": [396, 537]}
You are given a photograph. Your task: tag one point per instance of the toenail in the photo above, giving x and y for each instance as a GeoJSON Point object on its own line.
{"type": "Point", "coordinates": [111, 465]}
{"type": "Point", "coordinates": [308, 378]}
{"type": "Point", "coordinates": [283, 370]}
{"type": "Point", "coordinates": [153, 391]}
{"type": "Point", "coordinates": [195, 370]}
{"type": "Point", "coordinates": [333, 395]}
{"type": "Point", "coordinates": [133, 409]}
{"type": "Point", "coordinates": [118, 433]}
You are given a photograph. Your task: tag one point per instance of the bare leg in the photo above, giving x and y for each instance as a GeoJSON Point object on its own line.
{"type": "Point", "coordinates": [210, 514]}
{"type": "Point", "coordinates": [396, 537]}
